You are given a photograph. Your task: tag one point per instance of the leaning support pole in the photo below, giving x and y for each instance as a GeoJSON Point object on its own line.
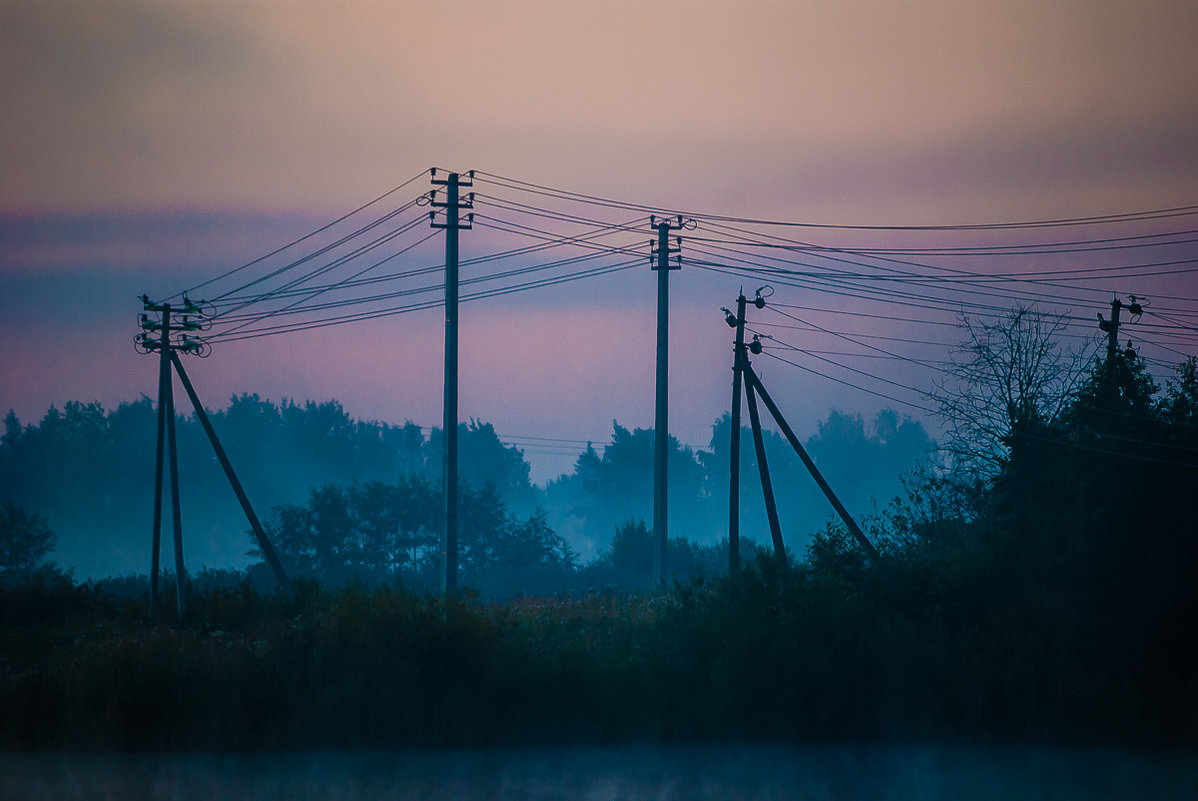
{"type": "Point", "coordinates": [176, 507]}
{"type": "Point", "coordinates": [268, 550]}
{"type": "Point", "coordinates": [767, 486]}
{"type": "Point", "coordinates": [754, 383]}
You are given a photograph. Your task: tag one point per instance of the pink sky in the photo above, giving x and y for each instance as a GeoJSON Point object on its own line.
{"type": "Point", "coordinates": [843, 112]}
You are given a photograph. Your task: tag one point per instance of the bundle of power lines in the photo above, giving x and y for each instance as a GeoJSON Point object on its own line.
{"type": "Point", "coordinates": [835, 286]}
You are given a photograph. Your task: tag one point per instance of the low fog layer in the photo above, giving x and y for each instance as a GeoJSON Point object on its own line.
{"type": "Point", "coordinates": [90, 472]}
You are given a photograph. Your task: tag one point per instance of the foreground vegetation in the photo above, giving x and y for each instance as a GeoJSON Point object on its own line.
{"type": "Point", "coordinates": [1046, 594]}
{"type": "Point", "coordinates": [830, 648]}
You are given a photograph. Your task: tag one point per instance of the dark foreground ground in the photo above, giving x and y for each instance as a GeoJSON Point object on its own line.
{"type": "Point", "coordinates": [781, 654]}
{"type": "Point", "coordinates": [691, 773]}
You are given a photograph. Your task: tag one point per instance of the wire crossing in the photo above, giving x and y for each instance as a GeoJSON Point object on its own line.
{"type": "Point", "coordinates": [870, 301]}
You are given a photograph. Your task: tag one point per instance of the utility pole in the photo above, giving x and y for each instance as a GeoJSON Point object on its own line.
{"type": "Point", "coordinates": [176, 510]}
{"type": "Point", "coordinates": [1111, 327]}
{"type": "Point", "coordinates": [164, 327]}
{"type": "Point", "coordinates": [739, 359]}
{"type": "Point", "coordinates": [745, 375]}
{"type": "Point", "coordinates": [736, 321]}
{"type": "Point", "coordinates": [168, 349]}
{"type": "Point", "coordinates": [449, 429]}
{"type": "Point", "coordinates": [661, 433]}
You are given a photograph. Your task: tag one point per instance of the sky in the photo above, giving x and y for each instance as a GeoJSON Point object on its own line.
{"type": "Point", "coordinates": [145, 147]}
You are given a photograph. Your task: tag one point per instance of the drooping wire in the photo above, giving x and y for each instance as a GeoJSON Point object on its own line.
{"type": "Point", "coordinates": [388, 312]}
{"type": "Point", "coordinates": [1133, 216]}
{"type": "Point", "coordinates": [850, 384]}
{"type": "Point", "coordinates": [303, 238]}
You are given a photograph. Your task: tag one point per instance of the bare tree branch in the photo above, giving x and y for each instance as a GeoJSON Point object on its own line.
{"type": "Point", "coordinates": [1008, 374]}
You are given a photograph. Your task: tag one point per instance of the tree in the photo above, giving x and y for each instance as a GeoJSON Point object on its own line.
{"type": "Point", "coordinates": [484, 461]}
{"type": "Point", "coordinates": [25, 539]}
{"type": "Point", "coordinates": [618, 486]}
{"type": "Point", "coordinates": [631, 553]}
{"type": "Point", "coordinates": [1179, 407]}
{"type": "Point", "coordinates": [1008, 376]}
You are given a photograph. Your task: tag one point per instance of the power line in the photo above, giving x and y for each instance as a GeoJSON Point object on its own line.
{"type": "Point", "coordinates": [1133, 216]}
{"type": "Point", "coordinates": [373, 315]}
{"type": "Point", "coordinates": [303, 238]}
{"type": "Point", "coordinates": [849, 383]}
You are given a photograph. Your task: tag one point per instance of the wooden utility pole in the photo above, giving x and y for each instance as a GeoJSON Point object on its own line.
{"type": "Point", "coordinates": [168, 349]}
{"type": "Point", "coordinates": [176, 509]}
{"type": "Point", "coordinates": [1111, 327]}
{"type": "Point", "coordinates": [449, 427]}
{"type": "Point", "coordinates": [167, 441]}
{"type": "Point", "coordinates": [661, 428]}
{"type": "Point", "coordinates": [739, 360]}
{"type": "Point", "coordinates": [738, 347]}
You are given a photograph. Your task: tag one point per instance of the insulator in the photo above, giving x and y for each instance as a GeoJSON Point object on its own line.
{"type": "Point", "coordinates": [755, 346]}
{"type": "Point", "coordinates": [730, 319]}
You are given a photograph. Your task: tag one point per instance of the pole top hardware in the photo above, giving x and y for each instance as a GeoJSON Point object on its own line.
{"type": "Point", "coordinates": [467, 181]}
{"type": "Point", "coordinates": [187, 316]}
{"type": "Point", "coordinates": [679, 223]}
{"type": "Point", "coordinates": [188, 306]}
{"type": "Point", "coordinates": [660, 250]}
{"type": "Point", "coordinates": [466, 202]}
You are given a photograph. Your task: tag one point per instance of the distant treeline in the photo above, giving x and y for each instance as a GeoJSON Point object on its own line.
{"type": "Point", "coordinates": [90, 471]}
{"type": "Point", "coordinates": [1053, 602]}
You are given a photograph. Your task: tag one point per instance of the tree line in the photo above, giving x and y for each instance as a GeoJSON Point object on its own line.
{"type": "Point", "coordinates": [348, 497]}
{"type": "Point", "coordinates": [1043, 593]}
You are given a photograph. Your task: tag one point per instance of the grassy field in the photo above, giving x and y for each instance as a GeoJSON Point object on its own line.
{"type": "Point", "coordinates": [781, 653]}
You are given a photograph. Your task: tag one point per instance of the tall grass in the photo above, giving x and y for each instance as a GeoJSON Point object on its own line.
{"type": "Point", "coordinates": [781, 652]}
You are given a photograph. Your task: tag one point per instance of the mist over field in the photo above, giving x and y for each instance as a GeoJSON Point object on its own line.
{"type": "Point", "coordinates": [90, 471]}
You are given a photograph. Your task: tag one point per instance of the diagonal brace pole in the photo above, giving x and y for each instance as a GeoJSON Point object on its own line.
{"type": "Point", "coordinates": [767, 486]}
{"type": "Point", "coordinates": [268, 550]}
{"type": "Point", "coordinates": [176, 508]}
{"type": "Point", "coordinates": [164, 376]}
{"type": "Point", "coordinates": [753, 382]}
